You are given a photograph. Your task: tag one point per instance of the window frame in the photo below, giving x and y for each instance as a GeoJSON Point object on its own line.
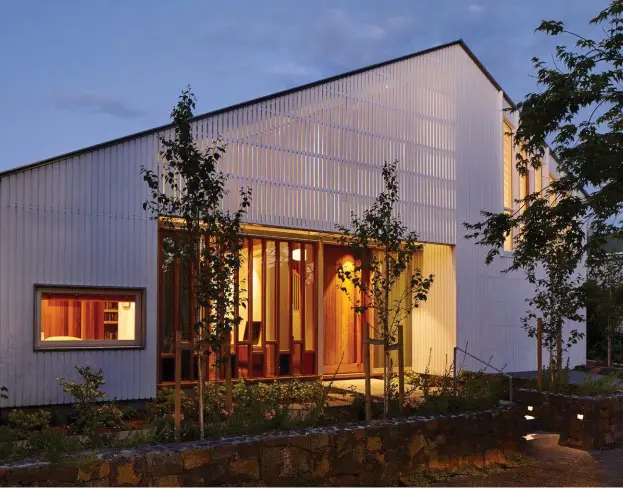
{"type": "Point", "coordinates": [137, 343]}
{"type": "Point", "coordinates": [508, 210]}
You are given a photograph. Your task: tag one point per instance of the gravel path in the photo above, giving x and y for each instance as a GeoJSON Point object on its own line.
{"type": "Point", "coordinates": [560, 466]}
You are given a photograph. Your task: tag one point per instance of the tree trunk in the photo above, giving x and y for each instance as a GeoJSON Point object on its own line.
{"type": "Point", "coordinates": [229, 396]}
{"type": "Point", "coordinates": [539, 354]}
{"type": "Point", "coordinates": [551, 370]}
{"type": "Point", "coordinates": [200, 391]}
{"type": "Point", "coordinates": [386, 378]}
{"type": "Point", "coordinates": [401, 371]}
{"type": "Point", "coordinates": [609, 339]}
{"type": "Point", "coordinates": [559, 357]}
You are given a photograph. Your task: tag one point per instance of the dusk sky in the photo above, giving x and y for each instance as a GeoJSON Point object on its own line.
{"type": "Point", "coordinates": [76, 73]}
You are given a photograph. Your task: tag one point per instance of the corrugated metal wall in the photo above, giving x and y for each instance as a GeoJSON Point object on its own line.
{"type": "Point", "coordinates": [75, 222]}
{"type": "Point", "coordinates": [489, 303]}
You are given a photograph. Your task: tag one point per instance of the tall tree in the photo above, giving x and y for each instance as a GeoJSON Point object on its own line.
{"type": "Point", "coordinates": [579, 109]}
{"type": "Point", "coordinates": [604, 290]}
{"type": "Point", "coordinates": [187, 195]}
{"type": "Point", "coordinates": [386, 288]}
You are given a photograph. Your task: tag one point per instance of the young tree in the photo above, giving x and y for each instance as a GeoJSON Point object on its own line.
{"type": "Point", "coordinates": [604, 290]}
{"type": "Point", "coordinates": [557, 301]}
{"type": "Point", "coordinates": [579, 108]}
{"type": "Point", "coordinates": [187, 194]}
{"type": "Point", "coordinates": [386, 289]}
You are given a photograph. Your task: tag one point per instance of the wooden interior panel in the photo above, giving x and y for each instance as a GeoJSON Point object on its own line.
{"type": "Point", "coordinates": [342, 335]}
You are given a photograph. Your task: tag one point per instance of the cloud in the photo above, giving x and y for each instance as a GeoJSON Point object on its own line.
{"type": "Point", "coordinates": [97, 104]}
{"type": "Point", "coordinates": [476, 8]}
{"type": "Point", "coordinates": [289, 69]}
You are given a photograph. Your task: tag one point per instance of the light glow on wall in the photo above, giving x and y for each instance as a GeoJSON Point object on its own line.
{"type": "Point", "coordinates": [296, 255]}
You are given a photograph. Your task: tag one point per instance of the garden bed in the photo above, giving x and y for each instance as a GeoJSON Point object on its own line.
{"type": "Point", "coordinates": [585, 422]}
{"type": "Point", "coordinates": [382, 452]}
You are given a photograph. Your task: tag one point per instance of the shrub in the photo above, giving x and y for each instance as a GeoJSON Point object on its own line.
{"type": "Point", "coordinates": [603, 385]}
{"type": "Point", "coordinates": [91, 415]}
{"type": "Point", "coordinates": [54, 443]}
{"type": "Point", "coordinates": [24, 424]}
{"type": "Point", "coordinates": [474, 391]}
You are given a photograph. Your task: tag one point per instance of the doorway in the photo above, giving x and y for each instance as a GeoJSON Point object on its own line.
{"type": "Point", "coordinates": [343, 351]}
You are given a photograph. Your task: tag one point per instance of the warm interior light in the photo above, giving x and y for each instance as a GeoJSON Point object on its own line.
{"type": "Point", "coordinates": [296, 254]}
{"type": "Point", "coordinates": [530, 408]}
{"type": "Point", "coordinates": [529, 417]}
{"type": "Point", "coordinates": [126, 305]}
{"type": "Point", "coordinates": [580, 416]}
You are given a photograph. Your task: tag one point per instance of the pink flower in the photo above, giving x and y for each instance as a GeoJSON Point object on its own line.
{"type": "Point", "coordinates": [225, 412]}
{"type": "Point", "coordinates": [269, 414]}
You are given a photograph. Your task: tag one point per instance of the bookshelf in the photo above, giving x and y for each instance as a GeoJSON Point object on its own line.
{"type": "Point", "coordinates": [111, 320]}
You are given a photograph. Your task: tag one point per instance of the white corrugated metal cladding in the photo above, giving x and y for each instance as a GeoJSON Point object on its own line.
{"type": "Point", "coordinates": [311, 156]}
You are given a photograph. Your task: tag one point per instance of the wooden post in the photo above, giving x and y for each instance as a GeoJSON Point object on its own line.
{"type": "Point", "coordinates": [178, 384]}
{"type": "Point", "coordinates": [229, 398]}
{"type": "Point", "coordinates": [539, 354]}
{"type": "Point", "coordinates": [401, 370]}
{"type": "Point", "coordinates": [558, 358]}
{"type": "Point", "coordinates": [366, 370]}
{"type": "Point", "coordinates": [365, 326]}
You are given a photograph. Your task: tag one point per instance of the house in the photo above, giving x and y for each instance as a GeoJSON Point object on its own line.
{"type": "Point", "coordinates": [81, 281]}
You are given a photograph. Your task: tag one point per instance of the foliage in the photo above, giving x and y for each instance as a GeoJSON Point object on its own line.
{"type": "Point", "coordinates": [557, 300]}
{"type": "Point", "coordinates": [580, 109]}
{"type": "Point", "coordinates": [604, 291]}
{"type": "Point", "coordinates": [602, 385]}
{"type": "Point", "coordinates": [256, 407]}
{"type": "Point", "coordinates": [91, 415]}
{"type": "Point", "coordinates": [383, 250]}
{"type": "Point", "coordinates": [189, 193]}
{"type": "Point", "coordinates": [475, 391]}
{"type": "Point", "coordinates": [54, 443]}
{"type": "Point", "coordinates": [597, 343]}
{"type": "Point", "coordinates": [25, 423]}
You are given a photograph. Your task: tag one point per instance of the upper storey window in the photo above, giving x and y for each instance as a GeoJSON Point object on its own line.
{"type": "Point", "coordinates": [508, 180]}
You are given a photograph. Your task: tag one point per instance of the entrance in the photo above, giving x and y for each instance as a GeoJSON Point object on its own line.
{"type": "Point", "coordinates": [343, 351]}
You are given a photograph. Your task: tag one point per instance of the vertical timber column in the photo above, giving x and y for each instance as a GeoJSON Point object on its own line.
{"type": "Point", "coordinates": [320, 304]}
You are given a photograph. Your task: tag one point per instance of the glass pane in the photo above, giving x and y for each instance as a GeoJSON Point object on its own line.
{"type": "Point", "coordinates": [285, 306]}
{"type": "Point", "coordinates": [168, 332]}
{"type": "Point", "coordinates": [310, 297]}
{"type": "Point", "coordinates": [72, 317]}
{"type": "Point", "coordinates": [184, 298]}
{"type": "Point", "coordinates": [258, 296]}
{"type": "Point", "coordinates": [271, 267]}
{"type": "Point", "coordinates": [297, 302]}
{"type": "Point", "coordinates": [243, 274]}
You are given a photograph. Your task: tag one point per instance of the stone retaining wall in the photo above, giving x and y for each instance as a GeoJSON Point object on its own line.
{"type": "Point", "coordinates": [600, 425]}
{"type": "Point", "coordinates": [377, 453]}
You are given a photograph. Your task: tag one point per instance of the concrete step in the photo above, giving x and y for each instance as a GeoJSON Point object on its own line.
{"type": "Point", "coordinates": [541, 440]}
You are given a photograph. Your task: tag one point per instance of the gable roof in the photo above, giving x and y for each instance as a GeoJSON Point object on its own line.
{"type": "Point", "coordinates": [458, 42]}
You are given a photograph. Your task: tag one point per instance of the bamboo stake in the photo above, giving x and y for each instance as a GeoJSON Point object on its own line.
{"type": "Point", "coordinates": [539, 353]}
{"type": "Point", "coordinates": [178, 384]}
